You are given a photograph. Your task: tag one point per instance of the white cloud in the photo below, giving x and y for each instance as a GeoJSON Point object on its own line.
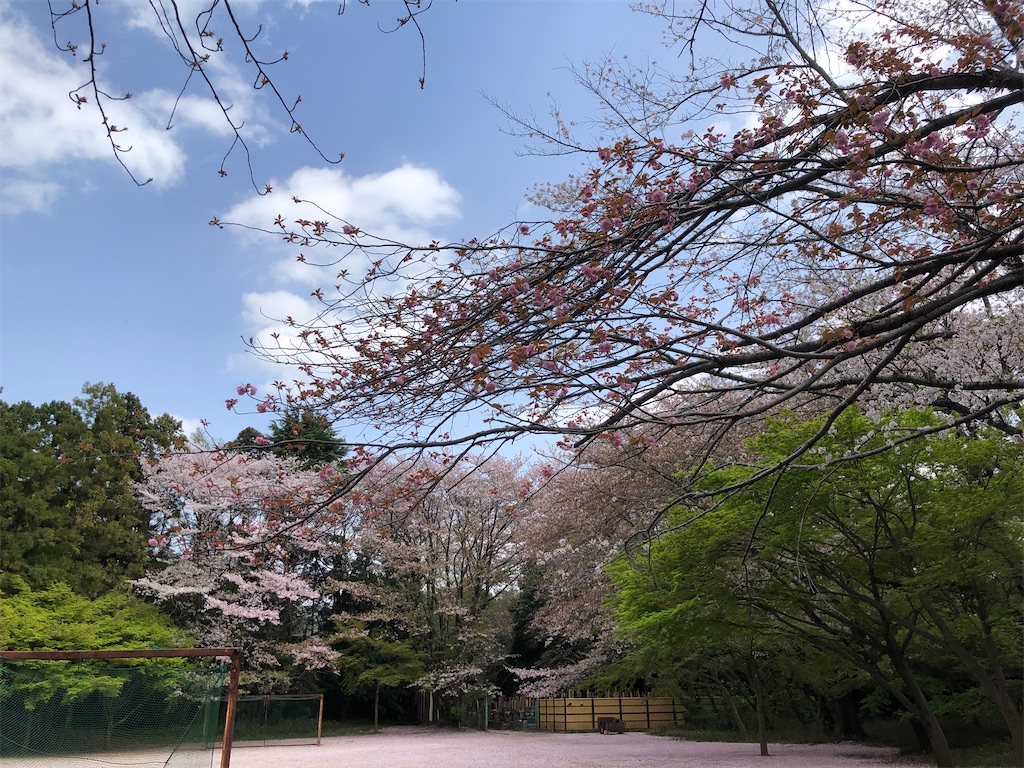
{"type": "Point", "coordinates": [189, 110]}
{"type": "Point", "coordinates": [144, 16]}
{"type": "Point", "coordinates": [269, 308]}
{"type": "Point", "coordinates": [42, 130]}
{"type": "Point", "coordinates": [404, 204]}
{"type": "Point", "coordinates": [227, 69]}
{"type": "Point", "coordinates": [190, 426]}
{"type": "Point", "coordinates": [197, 108]}
{"type": "Point", "coordinates": [399, 204]}
{"type": "Point", "coordinates": [265, 316]}
{"type": "Point", "coordinates": [20, 195]}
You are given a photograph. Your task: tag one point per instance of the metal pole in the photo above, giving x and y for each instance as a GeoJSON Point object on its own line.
{"type": "Point", "coordinates": [229, 718]}
{"type": "Point", "coordinates": [132, 653]}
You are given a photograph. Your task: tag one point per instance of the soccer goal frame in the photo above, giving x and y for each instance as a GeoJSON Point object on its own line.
{"type": "Point", "coordinates": [267, 699]}
{"type": "Point", "coordinates": [234, 654]}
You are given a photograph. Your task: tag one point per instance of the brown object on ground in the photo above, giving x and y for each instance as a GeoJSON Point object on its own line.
{"type": "Point", "coordinates": [610, 725]}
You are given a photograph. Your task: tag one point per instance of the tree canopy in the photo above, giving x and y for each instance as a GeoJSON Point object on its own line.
{"type": "Point", "coordinates": [903, 565]}
{"type": "Point", "coordinates": [67, 510]}
{"type": "Point", "coordinates": [834, 221]}
{"type": "Point", "coordinates": [57, 618]}
{"type": "Point", "coordinates": [300, 434]}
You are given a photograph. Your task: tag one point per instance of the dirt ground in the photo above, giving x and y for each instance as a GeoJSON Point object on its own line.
{"type": "Point", "coordinates": [412, 747]}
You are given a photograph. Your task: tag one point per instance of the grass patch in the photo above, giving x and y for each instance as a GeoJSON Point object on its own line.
{"type": "Point", "coordinates": [972, 746]}
{"type": "Point", "coordinates": [994, 755]}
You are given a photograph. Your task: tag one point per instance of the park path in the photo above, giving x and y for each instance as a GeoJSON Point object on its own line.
{"type": "Point", "coordinates": [413, 747]}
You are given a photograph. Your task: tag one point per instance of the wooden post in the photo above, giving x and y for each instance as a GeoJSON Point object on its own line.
{"type": "Point", "coordinates": [320, 720]}
{"type": "Point", "coordinates": [266, 717]}
{"type": "Point", "coordinates": [229, 718]}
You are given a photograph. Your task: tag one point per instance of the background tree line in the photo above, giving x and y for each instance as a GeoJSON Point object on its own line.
{"type": "Point", "coordinates": [849, 593]}
{"type": "Point", "coordinates": [405, 583]}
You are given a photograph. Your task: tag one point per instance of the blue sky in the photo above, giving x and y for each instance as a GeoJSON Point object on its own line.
{"type": "Point", "coordinates": [103, 281]}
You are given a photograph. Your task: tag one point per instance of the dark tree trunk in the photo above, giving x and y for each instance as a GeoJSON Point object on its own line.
{"type": "Point", "coordinates": [847, 716]}
{"type": "Point", "coordinates": [923, 710]}
{"type": "Point", "coordinates": [731, 703]}
{"type": "Point", "coordinates": [755, 683]}
{"type": "Point", "coordinates": [376, 709]}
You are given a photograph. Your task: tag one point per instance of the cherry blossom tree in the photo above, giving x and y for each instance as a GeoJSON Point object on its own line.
{"type": "Point", "coordinates": [589, 511]}
{"type": "Point", "coordinates": [442, 540]}
{"type": "Point", "coordinates": [242, 552]}
{"type": "Point", "coordinates": [835, 221]}
{"type": "Point", "coordinates": [262, 552]}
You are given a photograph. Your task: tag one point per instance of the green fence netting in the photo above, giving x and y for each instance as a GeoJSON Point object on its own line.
{"type": "Point", "coordinates": [161, 713]}
{"type": "Point", "coordinates": [277, 719]}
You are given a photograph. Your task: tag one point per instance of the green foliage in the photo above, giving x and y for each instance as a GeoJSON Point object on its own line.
{"type": "Point", "coordinates": [900, 569]}
{"type": "Point", "coordinates": [67, 512]}
{"type": "Point", "coordinates": [57, 618]}
{"type": "Point", "coordinates": [308, 437]}
{"type": "Point", "coordinates": [368, 663]}
{"type": "Point", "coordinates": [300, 434]}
